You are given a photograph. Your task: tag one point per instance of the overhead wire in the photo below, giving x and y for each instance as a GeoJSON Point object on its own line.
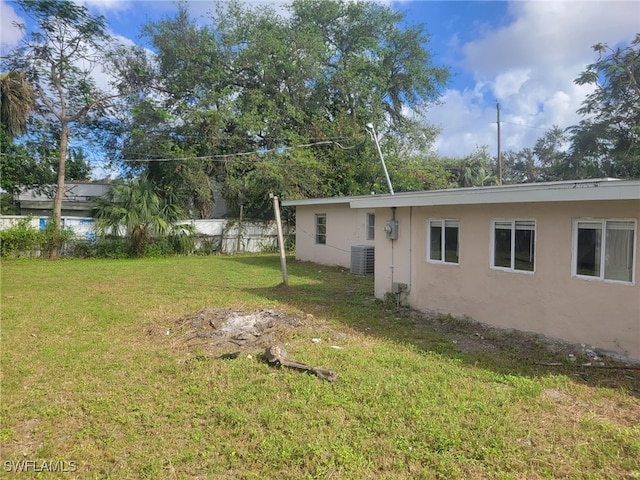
{"type": "Point", "coordinates": [257, 153]}
{"type": "Point", "coordinates": [225, 156]}
{"type": "Point", "coordinates": [311, 235]}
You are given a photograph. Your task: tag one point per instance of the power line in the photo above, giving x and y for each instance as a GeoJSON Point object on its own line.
{"type": "Point", "coordinates": [222, 157]}
{"type": "Point", "coordinates": [311, 235]}
{"type": "Point", "coordinates": [258, 153]}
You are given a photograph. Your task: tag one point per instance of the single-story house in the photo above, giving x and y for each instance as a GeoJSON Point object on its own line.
{"type": "Point", "coordinates": [75, 203]}
{"type": "Point", "coordinates": [557, 258]}
{"type": "Point", "coordinates": [79, 195]}
{"type": "Point", "coordinates": [327, 228]}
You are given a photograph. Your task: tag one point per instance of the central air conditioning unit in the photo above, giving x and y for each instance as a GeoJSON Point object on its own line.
{"type": "Point", "coordinates": [362, 259]}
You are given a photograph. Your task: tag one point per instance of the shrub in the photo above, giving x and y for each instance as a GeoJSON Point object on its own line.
{"type": "Point", "coordinates": [25, 240]}
{"type": "Point", "coordinates": [160, 247]}
{"type": "Point", "coordinates": [46, 238]}
{"type": "Point", "coordinates": [208, 245]}
{"type": "Point", "coordinates": [182, 239]}
{"type": "Point", "coordinates": [22, 239]}
{"type": "Point", "coordinates": [82, 249]}
{"type": "Point", "coordinates": [111, 246]}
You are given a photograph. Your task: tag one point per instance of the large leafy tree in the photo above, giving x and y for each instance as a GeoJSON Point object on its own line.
{"type": "Point", "coordinates": [57, 58]}
{"type": "Point", "coordinates": [28, 163]}
{"type": "Point", "coordinates": [608, 138]}
{"type": "Point", "coordinates": [32, 164]}
{"type": "Point", "coordinates": [264, 103]}
{"type": "Point", "coordinates": [548, 160]}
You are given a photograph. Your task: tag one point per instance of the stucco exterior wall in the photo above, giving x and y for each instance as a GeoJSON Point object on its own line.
{"type": "Point", "coordinates": [549, 301]}
{"type": "Point", "coordinates": [345, 227]}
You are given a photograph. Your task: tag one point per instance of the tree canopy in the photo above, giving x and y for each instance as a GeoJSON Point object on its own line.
{"type": "Point", "coordinates": [57, 60]}
{"type": "Point", "coordinates": [251, 102]}
{"type": "Point", "coordinates": [609, 134]}
{"type": "Point", "coordinates": [606, 142]}
{"type": "Point", "coordinates": [264, 103]}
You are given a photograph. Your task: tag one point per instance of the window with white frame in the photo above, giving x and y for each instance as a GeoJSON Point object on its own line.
{"type": "Point", "coordinates": [442, 242]}
{"type": "Point", "coordinates": [513, 245]}
{"type": "Point", "coordinates": [321, 228]}
{"type": "Point", "coordinates": [604, 249]}
{"type": "Point", "coordinates": [371, 226]}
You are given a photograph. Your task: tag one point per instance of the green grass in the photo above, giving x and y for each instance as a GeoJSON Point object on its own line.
{"type": "Point", "coordinates": [86, 378]}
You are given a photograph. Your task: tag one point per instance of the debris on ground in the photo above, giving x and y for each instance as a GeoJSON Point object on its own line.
{"type": "Point", "coordinates": [219, 331]}
{"type": "Point", "coordinates": [277, 354]}
{"type": "Point", "coordinates": [226, 334]}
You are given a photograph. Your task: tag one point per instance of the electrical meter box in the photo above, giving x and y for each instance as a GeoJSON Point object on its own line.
{"type": "Point", "coordinates": [391, 229]}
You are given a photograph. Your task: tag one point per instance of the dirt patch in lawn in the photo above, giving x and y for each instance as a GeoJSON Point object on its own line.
{"type": "Point", "coordinates": [217, 331]}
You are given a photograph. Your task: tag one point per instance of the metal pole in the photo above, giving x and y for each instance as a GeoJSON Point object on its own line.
{"type": "Point", "coordinates": [283, 258]}
{"type": "Point", "coordinates": [384, 167]}
{"type": "Point", "coordinates": [499, 152]}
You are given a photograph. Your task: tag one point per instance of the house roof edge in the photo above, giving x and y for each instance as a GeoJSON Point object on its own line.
{"type": "Point", "coordinates": [582, 190]}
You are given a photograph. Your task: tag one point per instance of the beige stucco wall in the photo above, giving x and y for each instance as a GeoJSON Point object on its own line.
{"type": "Point", "coordinates": [345, 227]}
{"type": "Point", "coordinates": [549, 301]}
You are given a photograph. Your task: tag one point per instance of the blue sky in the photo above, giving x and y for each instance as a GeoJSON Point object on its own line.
{"type": "Point", "coordinates": [522, 54]}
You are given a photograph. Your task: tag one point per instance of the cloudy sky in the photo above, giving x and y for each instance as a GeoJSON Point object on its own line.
{"type": "Point", "coordinates": [522, 54]}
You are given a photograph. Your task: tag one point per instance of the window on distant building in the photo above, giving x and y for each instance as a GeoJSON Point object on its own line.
{"type": "Point", "coordinates": [513, 245]}
{"type": "Point", "coordinates": [321, 228]}
{"type": "Point", "coordinates": [604, 249]}
{"type": "Point", "coordinates": [371, 226]}
{"type": "Point", "coordinates": [442, 244]}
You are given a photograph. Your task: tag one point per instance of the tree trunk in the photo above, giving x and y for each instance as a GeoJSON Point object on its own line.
{"type": "Point", "coordinates": [56, 215]}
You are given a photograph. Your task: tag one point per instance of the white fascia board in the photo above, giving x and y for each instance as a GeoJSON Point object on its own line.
{"type": "Point", "coordinates": [316, 201]}
{"type": "Point", "coordinates": [525, 193]}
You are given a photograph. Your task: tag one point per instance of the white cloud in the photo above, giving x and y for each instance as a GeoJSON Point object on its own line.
{"type": "Point", "coordinates": [511, 82]}
{"type": "Point", "coordinates": [464, 121]}
{"type": "Point", "coordinates": [10, 35]}
{"type": "Point", "coordinates": [529, 66]}
{"type": "Point", "coordinates": [106, 6]}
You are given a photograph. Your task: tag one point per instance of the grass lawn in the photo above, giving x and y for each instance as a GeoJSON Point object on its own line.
{"type": "Point", "coordinates": [88, 389]}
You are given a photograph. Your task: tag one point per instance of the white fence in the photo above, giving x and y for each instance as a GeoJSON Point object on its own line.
{"type": "Point", "coordinates": [228, 236]}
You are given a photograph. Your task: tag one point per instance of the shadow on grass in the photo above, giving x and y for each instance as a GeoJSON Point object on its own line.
{"type": "Point", "coordinates": [269, 261]}
{"type": "Point", "coordinates": [332, 293]}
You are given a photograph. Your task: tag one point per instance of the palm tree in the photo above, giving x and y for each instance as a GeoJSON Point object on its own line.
{"type": "Point", "coordinates": [135, 209]}
{"type": "Point", "coordinates": [16, 102]}
{"type": "Point", "coordinates": [475, 174]}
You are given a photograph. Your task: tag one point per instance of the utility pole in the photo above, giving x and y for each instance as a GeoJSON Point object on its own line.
{"type": "Point", "coordinates": [499, 152]}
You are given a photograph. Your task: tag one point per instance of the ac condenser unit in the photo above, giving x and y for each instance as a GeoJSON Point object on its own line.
{"type": "Point", "coordinates": [362, 259]}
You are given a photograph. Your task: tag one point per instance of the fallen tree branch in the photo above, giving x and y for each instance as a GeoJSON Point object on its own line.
{"type": "Point", "coordinates": [277, 354]}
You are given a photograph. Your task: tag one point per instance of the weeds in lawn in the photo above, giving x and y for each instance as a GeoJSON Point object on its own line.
{"type": "Point", "coordinates": [90, 375]}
